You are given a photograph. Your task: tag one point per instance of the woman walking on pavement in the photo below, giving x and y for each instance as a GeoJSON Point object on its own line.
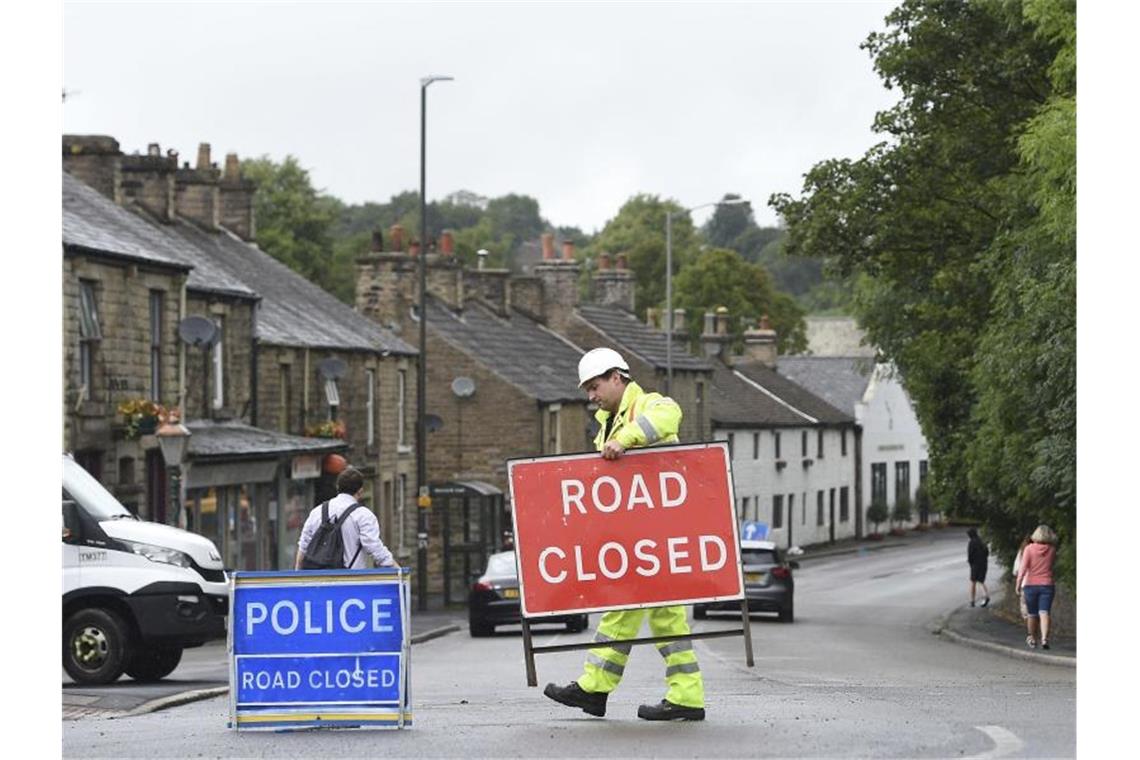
{"type": "Point", "coordinates": [978, 557]}
{"type": "Point", "coordinates": [1035, 579]}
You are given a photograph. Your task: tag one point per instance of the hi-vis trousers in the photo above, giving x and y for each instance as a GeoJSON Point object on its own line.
{"type": "Point", "coordinates": [605, 665]}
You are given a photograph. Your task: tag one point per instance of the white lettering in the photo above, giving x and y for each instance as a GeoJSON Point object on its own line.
{"type": "Point", "coordinates": [309, 627]}
{"type": "Point", "coordinates": [638, 493]}
{"type": "Point", "coordinates": [546, 576]}
{"type": "Point", "coordinates": [344, 616]}
{"type": "Point", "coordinates": [683, 491]}
{"type": "Point", "coordinates": [676, 554]}
{"type": "Point", "coordinates": [582, 574]}
{"type": "Point", "coordinates": [706, 565]}
{"type": "Point", "coordinates": [575, 497]}
{"type": "Point", "coordinates": [255, 612]}
{"type": "Point", "coordinates": [613, 484]}
{"type": "Point", "coordinates": [294, 679]}
{"type": "Point", "coordinates": [247, 680]}
{"type": "Point", "coordinates": [639, 551]}
{"type": "Point", "coordinates": [604, 566]}
{"type": "Point", "coordinates": [292, 608]}
{"type": "Point", "coordinates": [379, 614]}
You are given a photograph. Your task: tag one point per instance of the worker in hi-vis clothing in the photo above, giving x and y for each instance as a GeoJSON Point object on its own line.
{"type": "Point", "coordinates": [631, 418]}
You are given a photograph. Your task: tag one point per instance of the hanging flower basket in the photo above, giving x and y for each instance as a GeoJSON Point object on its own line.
{"type": "Point", "coordinates": [328, 429]}
{"type": "Point", "coordinates": [140, 417]}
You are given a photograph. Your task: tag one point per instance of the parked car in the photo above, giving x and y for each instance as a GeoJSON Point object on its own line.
{"type": "Point", "coordinates": [768, 583]}
{"type": "Point", "coordinates": [494, 600]}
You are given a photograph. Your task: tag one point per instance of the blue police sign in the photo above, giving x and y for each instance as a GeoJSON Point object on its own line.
{"type": "Point", "coordinates": [319, 648]}
{"type": "Point", "coordinates": [752, 530]}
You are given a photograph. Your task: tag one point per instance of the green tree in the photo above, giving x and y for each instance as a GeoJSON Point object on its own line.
{"type": "Point", "coordinates": [295, 222]}
{"type": "Point", "coordinates": [878, 514]}
{"type": "Point", "coordinates": [903, 510]}
{"type": "Point", "coordinates": [960, 230]}
{"type": "Point", "coordinates": [721, 277]}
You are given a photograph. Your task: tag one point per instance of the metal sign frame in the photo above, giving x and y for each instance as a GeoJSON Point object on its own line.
{"type": "Point", "coordinates": [307, 714]}
{"type": "Point", "coordinates": [529, 649]}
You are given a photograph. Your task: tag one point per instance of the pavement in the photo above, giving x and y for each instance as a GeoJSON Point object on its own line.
{"type": "Point", "coordinates": [989, 628]}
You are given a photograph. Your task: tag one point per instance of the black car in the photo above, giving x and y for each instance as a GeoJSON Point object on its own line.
{"type": "Point", "coordinates": [768, 583]}
{"type": "Point", "coordinates": [494, 600]}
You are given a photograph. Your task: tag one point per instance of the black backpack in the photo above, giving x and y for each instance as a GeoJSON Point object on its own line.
{"type": "Point", "coordinates": [326, 550]}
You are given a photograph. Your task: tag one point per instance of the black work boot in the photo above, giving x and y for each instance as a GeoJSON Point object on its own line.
{"type": "Point", "coordinates": [666, 710]}
{"type": "Point", "coordinates": [593, 702]}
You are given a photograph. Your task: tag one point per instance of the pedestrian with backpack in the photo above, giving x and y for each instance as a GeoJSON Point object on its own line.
{"type": "Point", "coordinates": [340, 529]}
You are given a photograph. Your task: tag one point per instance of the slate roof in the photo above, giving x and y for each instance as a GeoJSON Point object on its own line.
{"type": "Point", "coordinates": [839, 380]}
{"type": "Point", "coordinates": [293, 311]}
{"type": "Point", "coordinates": [95, 222]}
{"type": "Point", "coordinates": [517, 349]}
{"type": "Point", "coordinates": [736, 401]}
{"type": "Point", "coordinates": [236, 440]}
{"type": "Point", "coordinates": [638, 338]}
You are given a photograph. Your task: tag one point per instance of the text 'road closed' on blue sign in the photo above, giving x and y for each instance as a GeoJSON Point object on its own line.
{"type": "Point", "coordinates": [319, 648]}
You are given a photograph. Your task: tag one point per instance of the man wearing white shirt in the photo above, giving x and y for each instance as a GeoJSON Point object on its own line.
{"type": "Point", "coordinates": [361, 530]}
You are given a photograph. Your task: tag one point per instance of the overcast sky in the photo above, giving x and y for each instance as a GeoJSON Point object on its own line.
{"type": "Point", "coordinates": [579, 106]}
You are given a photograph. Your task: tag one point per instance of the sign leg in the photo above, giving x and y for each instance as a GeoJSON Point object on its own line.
{"type": "Point", "coordinates": [746, 618]}
{"type": "Point", "coordinates": [528, 651]}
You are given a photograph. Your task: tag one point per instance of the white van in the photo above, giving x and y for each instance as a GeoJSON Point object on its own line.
{"type": "Point", "coordinates": [135, 593]}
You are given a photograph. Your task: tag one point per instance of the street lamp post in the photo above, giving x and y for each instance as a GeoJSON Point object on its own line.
{"type": "Point", "coordinates": [669, 281]}
{"type": "Point", "coordinates": [173, 439]}
{"type": "Point", "coordinates": [423, 500]}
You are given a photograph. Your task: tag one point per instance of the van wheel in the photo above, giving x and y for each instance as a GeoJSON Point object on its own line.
{"type": "Point", "coordinates": [94, 646]}
{"type": "Point", "coordinates": [699, 612]}
{"type": "Point", "coordinates": [153, 664]}
{"type": "Point", "coordinates": [480, 630]}
{"type": "Point", "coordinates": [578, 624]}
{"type": "Point", "coordinates": [787, 614]}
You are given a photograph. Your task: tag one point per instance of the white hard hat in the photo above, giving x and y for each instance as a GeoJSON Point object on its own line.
{"type": "Point", "coordinates": [599, 361]}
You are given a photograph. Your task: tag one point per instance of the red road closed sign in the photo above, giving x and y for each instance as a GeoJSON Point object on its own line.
{"type": "Point", "coordinates": [654, 527]}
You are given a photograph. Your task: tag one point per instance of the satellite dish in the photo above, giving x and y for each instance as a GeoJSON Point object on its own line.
{"type": "Point", "coordinates": [198, 331]}
{"type": "Point", "coordinates": [332, 368]}
{"type": "Point", "coordinates": [463, 387]}
{"type": "Point", "coordinates": [433, 422]}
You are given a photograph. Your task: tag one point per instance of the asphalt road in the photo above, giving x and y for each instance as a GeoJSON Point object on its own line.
{"type": "Point", "coordinates": [859, 674]}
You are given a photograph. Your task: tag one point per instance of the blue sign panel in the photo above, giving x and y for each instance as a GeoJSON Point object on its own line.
{"type": "Point", "coordinates": [319, 648]}
{"type": "Point", "coordinates": [752, 530]}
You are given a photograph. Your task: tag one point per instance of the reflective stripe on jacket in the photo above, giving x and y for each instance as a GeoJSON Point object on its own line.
{"type": "Point", "coordinates": [642, 419]}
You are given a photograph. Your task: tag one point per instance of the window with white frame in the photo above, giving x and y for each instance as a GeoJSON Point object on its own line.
{"type": "Point", "coordinates": [370, 382]}
{"type": "Point", "coordinates": [401, 403]}
{"type": "Point", "coordinates": [89, 336]}
{"type": "Point", "coordinates": [332, 396]}
{"type": "Point", "coordinates": [755, 445]}
{"type": "Point", "coordinates": [219, 367]}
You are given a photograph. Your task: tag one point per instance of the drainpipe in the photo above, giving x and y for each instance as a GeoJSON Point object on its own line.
{"type": "Point", "coordinates": [305, 394]}
{"type": "Point", "coordinates": [253, 348]}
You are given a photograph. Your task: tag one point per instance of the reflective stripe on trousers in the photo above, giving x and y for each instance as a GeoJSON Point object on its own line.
{"type": "Point", "coordinates": [605, 665]}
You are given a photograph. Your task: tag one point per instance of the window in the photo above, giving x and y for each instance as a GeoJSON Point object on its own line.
{"type": "Point", "coordinates": [401, 403]}
{"type": "Point", "coordinates": [831, 504]}
{"type": "Point", "coordinates": [819, 507]}
{"type": "Point", "coordinates": [700, 409]}
{"type": "Point", "coordinates": [791, 507]}
{"type": "Point", "coordinates": [553, 430]}
{"type": "Point", "coordinates": [803, 443]}
{"type": "Point", "coordinates": [776, 442]}
{"type": "Point", "coordinates": [401, 495]}
{"type": "Point", "coordinates": [89, 336]}
{"type": "Point", "coordinates": [744, 508]}
{"type": "Point", "coordinates": [843, 442]}
{"type": "Point", "coordinates": [219, 369]}
{"type": "Point", "coordinates": [844, 514]}
{"type": "Point", "coordinates": [286, 399]}
{"type": "Point", "coordinates": [778, 511]}
{"type": "Point", "coordinates": [332, 396]}
{"type": "Point", "coordinates": [370, 383]}
{"type": "Point", "coordinates": [902, 479]}
{"type": "Point", "coordinates": [755, 445]}
{"type": "Point", "coordinates": [879, 482]}
{"type": "Point", "coordinates": [819, 444]}
{"type": "Point", "coordinates": [731, 445]}
{"type": "Point", "coordinates": [156, 303]}
{"type": "Point", "coordinates": [921, 471]}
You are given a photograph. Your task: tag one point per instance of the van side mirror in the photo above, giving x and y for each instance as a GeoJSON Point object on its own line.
{"type": "Point", "coordinates": [72, 528]}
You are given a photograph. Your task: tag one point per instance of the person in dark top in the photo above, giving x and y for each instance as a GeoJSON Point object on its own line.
{"type": "Point", "coordinates": [978, 557]}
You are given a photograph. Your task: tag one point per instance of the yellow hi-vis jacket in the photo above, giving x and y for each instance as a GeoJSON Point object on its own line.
{"type": "Point", "coordinates": [642, 419]}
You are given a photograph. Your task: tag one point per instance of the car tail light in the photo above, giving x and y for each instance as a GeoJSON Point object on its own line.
{"type": "Point", "coordinates": [782, 573]}
{"type": "Point", "coordinates": [482, 586]}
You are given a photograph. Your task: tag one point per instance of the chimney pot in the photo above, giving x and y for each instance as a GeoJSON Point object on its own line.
{"type": "Point", "coordinates": [414, 248]}
{"type": "Point", "coordinates": [233, 167]}
{"type": "Point", "coordinates": [652, 315]}
{"type": "Point", "coordinates": [203, 156]}
{"type": "Point", "coordinates": [567, 250]}
{"type": "Point", "coordinates": [377, 241]}
{"type": "Point", "coordinates": [396, 236]}
{"type": "Point", "coordinates": [172, 154]}
{"type": "Point", "coordinates": [679, 320]}
{"type": "Point", "coordinates": [153, 150]}
{"type": "Point", "coordinates": [603, 261]}
{"type": "Point", "coordinates": [621, 261]}
{"type": "Point", "coordinates": [547, 245]}
{"type": "Point", "coordinates": [710, 323]}
{"type": "Point", "coordinates": [447, 243]}
{"type": "Point", "coordinates": [722, 320]}
{"type": "Point", "coordinates": [764, 323]}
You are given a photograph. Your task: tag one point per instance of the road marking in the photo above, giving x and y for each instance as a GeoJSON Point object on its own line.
{"type": "Point", "coordinates": [1005, 742]}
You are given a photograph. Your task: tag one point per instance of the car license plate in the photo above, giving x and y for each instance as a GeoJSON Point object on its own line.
{"type": "Point", "coordinates": [754, 577]}
{"type": "Point", "coordinates": [510, 593]}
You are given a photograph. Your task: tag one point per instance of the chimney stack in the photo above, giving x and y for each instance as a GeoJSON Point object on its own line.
{"type": "Point", "coordinates": [614, 287]}
{"type": "Point", "coordinates": [203, 156]}
{"type": "Point", "coordinates": [237, 200]}
{"type": "Point", "coordinates": [559, 284]}
{"type": "Point", "coordinates": [679, 322]}
{"type": "Point", "coordinates": [547, 246]}
{"type": "Point", "coordinates": [148, 181]}
{"type": "Point", "coordinates": [197, 194]}
{"type": "Point", "coordinates": [652, 316]}
{"type": "Point", "coordinates": [396, 237]}
{"type": "Point", "coordinates": [97, 161]}
{"type": "Point", "coordinates": [153, 150]}
{"type": "Point", "coordinates": [446, 243]}
{"type": "Point", "coordinates": [760, 344]}
{"type": "Point", "coordinates": [567, 250]}
{"type": "Point", "coordinates": [715, 338]}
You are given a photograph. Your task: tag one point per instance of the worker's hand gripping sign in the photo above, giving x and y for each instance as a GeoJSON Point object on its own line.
{"type": "Point", "coordinates": [654, 527]}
